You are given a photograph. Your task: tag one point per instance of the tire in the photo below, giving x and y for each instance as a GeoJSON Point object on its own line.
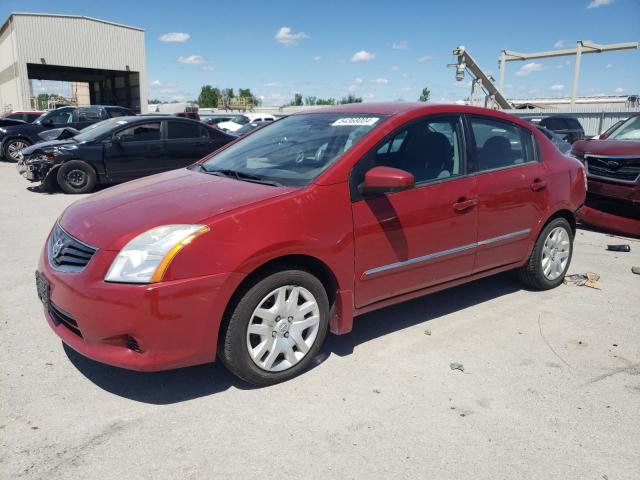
{"type": "Point", "coordinates": [546, 266]}
{"type": "Point", "coordinates": [10, 147]}
{"type": "Point", "coordinates": [76, 176]}
{"type": "Point", "coordinates": [260, 358]}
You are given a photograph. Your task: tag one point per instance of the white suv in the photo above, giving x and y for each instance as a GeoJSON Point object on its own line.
{"type": "Point", "coordinates": [239, 120]}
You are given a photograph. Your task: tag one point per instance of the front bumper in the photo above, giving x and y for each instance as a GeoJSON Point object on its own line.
{"type": "Point", "coordinates": [139, 327]}
{"type": "Point", "coordinates": [613, 207]}
{"type": "Point", "coordinates": [34, 169]}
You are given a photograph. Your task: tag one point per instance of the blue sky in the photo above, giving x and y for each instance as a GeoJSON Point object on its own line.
{"type": "Point", "coordinates": [380, 50]}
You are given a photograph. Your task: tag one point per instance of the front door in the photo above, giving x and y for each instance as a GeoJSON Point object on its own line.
{"type": "Point", "coordinates": [135, 151]}
{"type": "Point", "coordinates": [187, 142]}
{"type": "Point", "coordinates": [511, 187]}
{"type": "Point", "coordinates": [409, 240]}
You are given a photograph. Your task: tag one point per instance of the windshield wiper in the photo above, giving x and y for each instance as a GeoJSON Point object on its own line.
{"type": "Point", "coordinates": [243, 176]}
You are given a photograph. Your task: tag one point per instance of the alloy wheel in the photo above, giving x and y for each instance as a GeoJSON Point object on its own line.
{"type": "Point", "coordinates": [283, 328]}
{"type": "Point", "coordinates": [14, 149]}
{"type": "Point", "coordinates": [555, 253]}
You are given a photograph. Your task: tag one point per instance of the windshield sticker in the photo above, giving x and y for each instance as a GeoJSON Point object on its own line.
{"type": "Point", "coordinates": [355, 122]}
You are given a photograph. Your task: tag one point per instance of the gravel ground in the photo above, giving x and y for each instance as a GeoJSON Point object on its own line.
{"type": "Point", "coordinates": [550, 387]}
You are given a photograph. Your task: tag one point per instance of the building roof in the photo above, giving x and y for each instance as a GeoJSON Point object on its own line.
{"type": "Point", "coordinates": [27, 14]}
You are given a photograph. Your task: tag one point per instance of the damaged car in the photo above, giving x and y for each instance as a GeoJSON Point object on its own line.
{"type": "Point", "coordinates": [117, 150]}
{"type": "Point", "coordinates": [613, 172]}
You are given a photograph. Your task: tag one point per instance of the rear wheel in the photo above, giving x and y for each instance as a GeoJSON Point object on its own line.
{"type": "Point", "coordinates": [276, 328]}
{"type": "Point", "coordinates": [551, 256]}
{"type": "Point", "coordinates": [76, 176]}
{"type": "Point", "coordinates": [12, 148]}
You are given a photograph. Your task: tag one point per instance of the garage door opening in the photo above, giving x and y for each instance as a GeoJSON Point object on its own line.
{"type": "Point", "coordinates": [105, 87]}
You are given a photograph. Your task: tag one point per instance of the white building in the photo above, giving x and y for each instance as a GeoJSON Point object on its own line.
{"type": "Point", "coordinates": [108, 57]}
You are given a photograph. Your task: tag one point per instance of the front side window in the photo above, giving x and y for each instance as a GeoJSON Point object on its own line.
{"type": "Point", "coordinates": [140, 133]}
{"type": "Point", "coordinates": [629, 130]}
{"type": "Point", "coordinates": [178, 130]}
{"type": "Point", "coordinates": [429, 149]}
{"type": "Point", "coordinates": [59, 117]}
{"type": "Point", "coordinates": [500, 144]}
{"type": "Point", "coordinates": [295, 150]}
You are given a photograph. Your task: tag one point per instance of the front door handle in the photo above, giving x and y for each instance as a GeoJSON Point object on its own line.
{"type": "Point", "coordinates": [538, 185]}
{"type": "Point", "coordinates": [463, 204]}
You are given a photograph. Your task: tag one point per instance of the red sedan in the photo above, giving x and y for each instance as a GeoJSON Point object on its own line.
{"type": "Point", "coordinates": [256, 251]}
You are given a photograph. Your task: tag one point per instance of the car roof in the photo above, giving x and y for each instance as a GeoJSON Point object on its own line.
{"type": "Point", "coordinates": [156, 117]}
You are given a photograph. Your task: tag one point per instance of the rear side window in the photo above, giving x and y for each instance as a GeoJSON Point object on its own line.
{"type": "Point", "coordinates": [179, 130]}
{"type": "Point", "coordinates": [140, 133]}
{"type": "Point", "coordinates": [553, 123]}
{"type": "Point", "coordinates": [116, 112]}
{"type": "Point", "coordinates": [88, 114]}
{"type": "Point", "coordinates": [573, 123]}
{"type": "Point", "coordinates": [500, 144]}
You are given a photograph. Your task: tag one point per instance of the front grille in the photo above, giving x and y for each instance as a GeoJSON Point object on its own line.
{"type": "Point", "coordinates": [617, 168]}
{"type": "Point", "coordinates": [66, 253]}
{"type": "Point", "coordinates": [61, 317]}
{"type": "Point", "coordinates": [618, 207]}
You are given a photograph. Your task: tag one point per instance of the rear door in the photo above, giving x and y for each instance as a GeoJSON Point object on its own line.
{"type": "Point", "coordinates": [187, 142]}
{"type": "Point", "coordinates": [85, 116]}
{"type": "Point", "coordinates": [135, 151]}
{"type": "Point", "coordinates": [409, 240]}
{"type": "Point", "coordinates": [511, 188]}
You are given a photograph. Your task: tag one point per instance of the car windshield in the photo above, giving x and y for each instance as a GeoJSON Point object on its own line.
{"type": "Point", "coordinates": [241, 119]}
{"type": "Point", "coordinates": [629, 130]}
{"type": "Point", "coordinates": [295, 150]}
{"type": "Point", "coordinates": [92, 132]}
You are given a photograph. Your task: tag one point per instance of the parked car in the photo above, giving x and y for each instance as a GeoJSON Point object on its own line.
{"type": "Point", "coordinates": [249, 127]}
{"type": "Point", "coordinates": [609, 130]}
{"type": "Point", "coordinates": [256, 251]}
{"type": "Point", "coordinates": [567, 127]}
{"type": "Point", "coordinates": [560, 143]}
{"type": "Point", "coordinates": [28, 117]}
{"type": "Point", "coordinates": [613, 172]}
{"type": "Point", "coordinates": [120, 149]}
{"type": "Point", "coordinates": [239, 120]}
{"type": "Point", "coordinates": [10, 122]}
{"type": "Point", "coordinates": [214, 119]}
{"type": "Point", "coordinates": [15, 138]}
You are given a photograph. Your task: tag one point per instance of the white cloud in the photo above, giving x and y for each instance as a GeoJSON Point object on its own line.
{"type": "Point", "coordinates": [557, 87]}
{"type": "Point", "coordinates": [380, 81]}
{"type": "Point", "coordinates": [287, 38]}
{"type": "Point", "coordinates": [559, 44]}
{"type": "Point", "coordinates": [619, 90]}
{"type": "Point", "coordinates": [424, 58]}
{"type": "Point", "coordinates": [274, 85]}
{"type": "Point", "coordinates": [529, 68]}
{"type": "Point", "coordinates": [174, 37]}
{"type": "Point", "coordinates": [405, 75]}
{"type": "Point", "coordinates": [394, 68]}
{"type": "Point", "coordinates": [355, 84]}
{"type": "Point", "coordinates": [193, 60]}
{"type": "Point", "coordinates": [599, 3]}
{"type": "Point", "coordinates": [362, 56]}
{"type": "Point", "coordinates": [406, 89]}
{"type": "Point", "coordinates": [399, 45]}
{"type": "Point", "coordinates": [158, 83]}
{"type": "Point", "coordinates": [609, 66]}
{"type": "Point", "coordinates": [316, 57]}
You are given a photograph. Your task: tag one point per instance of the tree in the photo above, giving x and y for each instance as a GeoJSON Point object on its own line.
{"type": "Point", "coordinates": [326, 101]}
{"type": "Point", "coordinates": [209, 97]}
{"type": "Point", "coordinates": [426, 93]}
{"type": "Point", "coordinates": [311, 100]}
{"type": "Point", "coordinates": [351, 98]}
{"type": "Point", "coordinates": [297, 100]}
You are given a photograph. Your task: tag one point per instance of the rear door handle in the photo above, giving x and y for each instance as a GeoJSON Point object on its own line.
{"type": "Point", "coordinates": [538, 185]}
{"type": "Point", "coordinates": [463, 204]}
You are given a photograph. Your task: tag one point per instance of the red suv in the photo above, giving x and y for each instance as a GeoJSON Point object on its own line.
{"type": "Point", "coordinates": [256, 251]}
{"type": "Point", "coordinates": [613, 169]}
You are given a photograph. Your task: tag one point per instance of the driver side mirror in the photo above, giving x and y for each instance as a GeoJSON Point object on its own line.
{"type": "Point", "coordinates": [386, 180]}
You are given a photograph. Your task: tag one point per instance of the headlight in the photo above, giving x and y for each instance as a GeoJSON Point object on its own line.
{"type": "Point", "coordinates": [3, 131]}
{"type": "Point", "coordinates": [146, 258]}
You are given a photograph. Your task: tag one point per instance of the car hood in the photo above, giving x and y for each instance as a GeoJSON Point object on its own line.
{"type": "Point", "coordinates": [607, 147]}
{"type": "Point", "coordinates": [45, 146]}
{"type": "Point", "coordinates": [26, 128]}
{"type": "Point", "coordinates": [112, 217]}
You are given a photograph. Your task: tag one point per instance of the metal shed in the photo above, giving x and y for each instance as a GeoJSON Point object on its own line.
{"type": "Point", "coordinates": [108, 56]}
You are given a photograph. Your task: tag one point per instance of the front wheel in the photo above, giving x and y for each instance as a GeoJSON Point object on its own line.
{"type": "Point", "coordinates": [551, 256]}
{"type": "Point", "coordinates": [13, 149]}
{"type": "Point", "coordinates": [76, 176]}
{"type": "Point", "coordinates": [276, 328]}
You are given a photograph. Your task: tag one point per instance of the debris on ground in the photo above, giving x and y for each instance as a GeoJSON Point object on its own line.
{"type": "Point", "coordinates": [375, 390]}
{"type": "Point", "coordinates": [636, 270]}
{"type": "Point", "coordinates": [427, 331]}
{"type": "Point", "coordinates": [456, 366]}
{"type": "Point", "coordinates": [588, 279]}
{"type": "Point", "coordinates": [619, 248]}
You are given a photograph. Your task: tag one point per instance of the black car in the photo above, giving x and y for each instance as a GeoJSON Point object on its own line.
{"type": "Point", "coordinates": [120, 149]}
{"type": "Point", "coordinates": [10, 122]}
{"type": "Point", "coordinates": [14, 138]}
{"type": "Point", "coordinates": [569, 128]}
{"type": "Point", "coordinates": [560, 143]}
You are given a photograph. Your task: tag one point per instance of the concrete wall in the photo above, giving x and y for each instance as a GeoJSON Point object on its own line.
{"type": "Point", "coordinates": [9, 82]}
